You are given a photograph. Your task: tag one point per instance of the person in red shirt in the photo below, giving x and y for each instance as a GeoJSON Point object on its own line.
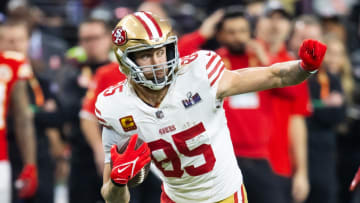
{"type": "Point", "coordinates": [13, 73]}
{"type": "Point", "coordinates": [288, 145]}
{"type": "Point", "coordinates": [104, 77]}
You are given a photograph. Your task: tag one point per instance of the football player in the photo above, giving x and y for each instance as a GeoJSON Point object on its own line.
{"type": "Point", "coordinates": [13, 72]}
{"type": "Point", "coordinates": [175, 106]}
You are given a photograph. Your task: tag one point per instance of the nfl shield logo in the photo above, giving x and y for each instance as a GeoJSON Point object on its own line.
{"type": "Point", "coordinates": [159, 114]}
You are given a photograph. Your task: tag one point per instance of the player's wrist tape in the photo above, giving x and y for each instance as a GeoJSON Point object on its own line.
{"type": "Point", "coordinates": [117, 184]}
{"type": "Point", "coordinates": [303, 69]}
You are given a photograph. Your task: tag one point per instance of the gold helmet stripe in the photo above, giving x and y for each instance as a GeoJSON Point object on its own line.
{"type": "Point", "coordinates": [151, 26]}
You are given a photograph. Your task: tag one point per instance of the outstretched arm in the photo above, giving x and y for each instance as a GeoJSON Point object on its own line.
{"type": "Point", "coordinates": [278, 75]}
{"type": "Point", "coordinates": [261, 78]}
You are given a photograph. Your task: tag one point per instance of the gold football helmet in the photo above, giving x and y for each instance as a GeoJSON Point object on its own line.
{"type": "Point", "coordinates": [142, 31]}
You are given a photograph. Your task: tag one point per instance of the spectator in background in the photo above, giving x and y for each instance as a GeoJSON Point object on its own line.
{"type": "Point", "coordinates": [191, 42]}
{"type": "Point", "coordinates": [14, 70]}
{"type": "Point", "coordinates": [335, 26]}
{"type": "Point", "coordinates": [349, 142]}
{"type": "Point", "coordinates": [84, 181]}
{"type": "Point", "coordinates": [321, 145]}
{"type": "Point", "coordinates": [255, 7]}
{"type": "Point", "coordinates": [254, 10]}
{"type": "Point", "coordinates": [288, 148]}
{"type": "Point", "coordinates": [328, 103]}
{"type": "Point", "coordinates": [338, 64]}
{"type": "Point", "coordinates": [305, 26]}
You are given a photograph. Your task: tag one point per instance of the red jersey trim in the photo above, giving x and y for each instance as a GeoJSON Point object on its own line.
{"type": "Point", "coordinates": [210, 61]}
{"type": "Point", "coordinates": [218, 75]}
{"type": "Point", "coordinates": [215, 69]}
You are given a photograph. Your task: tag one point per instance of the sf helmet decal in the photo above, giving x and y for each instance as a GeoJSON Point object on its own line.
{"type": "Point", "coordinates": [119, 36]}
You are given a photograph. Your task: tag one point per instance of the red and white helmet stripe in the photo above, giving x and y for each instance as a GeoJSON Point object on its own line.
{"type": "Point", "coordinates": [151, 26]}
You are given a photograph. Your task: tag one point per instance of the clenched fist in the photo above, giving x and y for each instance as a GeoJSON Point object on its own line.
{"type": "Point", "coordinates": [127, 164]}
{"type": "Point", "coordinates": [311, 53]}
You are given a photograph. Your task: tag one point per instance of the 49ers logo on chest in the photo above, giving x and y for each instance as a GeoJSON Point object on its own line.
{"type": "Point", "coordinates": [167, 129]}
{"type": "Point", "coordinates": [119, 36]}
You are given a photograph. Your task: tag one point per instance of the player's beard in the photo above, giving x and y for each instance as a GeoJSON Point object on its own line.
{"type": "Point", "coordinates": [159, 80]}
{"type": "Point", "coordinates": [237, 48]}
{"type": "Point", "coordinates": [161, 77]}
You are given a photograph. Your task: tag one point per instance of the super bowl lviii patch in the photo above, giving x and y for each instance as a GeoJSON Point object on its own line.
{"type": "Point", "coordinates": [191, 99]}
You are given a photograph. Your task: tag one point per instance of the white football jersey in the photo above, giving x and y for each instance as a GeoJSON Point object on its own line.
{"type": "Point", "coordinates": [187, 133]}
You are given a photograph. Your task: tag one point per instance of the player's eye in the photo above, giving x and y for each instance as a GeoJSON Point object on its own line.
{"type": "Point", "coordinates": [145, 56]}
{"type": "Point", "coordinates": [160, 52]}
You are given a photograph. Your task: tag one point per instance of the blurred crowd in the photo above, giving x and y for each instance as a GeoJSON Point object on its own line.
{"type": "Point", "coordinates": [294, 144]}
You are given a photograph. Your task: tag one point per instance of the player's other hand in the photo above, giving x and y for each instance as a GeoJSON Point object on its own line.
{"type": "Point", "coordinates": [311, 53]}
{"type": "Point", "coordinates": [126, 165]}
{"type": "Point", "coordinates": [355, 181]}
{"type": "Point", "coordinates": [27, 182]}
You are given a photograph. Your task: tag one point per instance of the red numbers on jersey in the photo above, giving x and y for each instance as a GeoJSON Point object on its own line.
{"type": "Point", "coordinates": [180, 142]}
{"type": "Point", "coordinates": [188, 59]}
{"type": "Point", "coordinates": [112, 89]}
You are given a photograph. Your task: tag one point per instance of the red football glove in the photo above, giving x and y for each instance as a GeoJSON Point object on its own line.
{"type": "Point", "coordinates": [355, 181]}
{"type": "Point", "coordinates": [311, 53]}
{"type": "Point", "coordinates": [126, 165]}
{"type": "Point", "coordinates": [27, 182]}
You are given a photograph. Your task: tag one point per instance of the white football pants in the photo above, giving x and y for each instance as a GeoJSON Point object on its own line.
{"type": "Point", "coordinates": [5, 182]}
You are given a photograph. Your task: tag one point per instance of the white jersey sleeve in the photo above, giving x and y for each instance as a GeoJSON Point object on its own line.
{"type": "Point", "coordinates": [112, 132]}
{"type": "Point", "coordinates": [208, 66]}
{"type": "Point", "coordinates": [214, 68]}
{"type": "Point", "coordinates": [209, 61]}
{"type": "Point", "coordinates": [109, 138]}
